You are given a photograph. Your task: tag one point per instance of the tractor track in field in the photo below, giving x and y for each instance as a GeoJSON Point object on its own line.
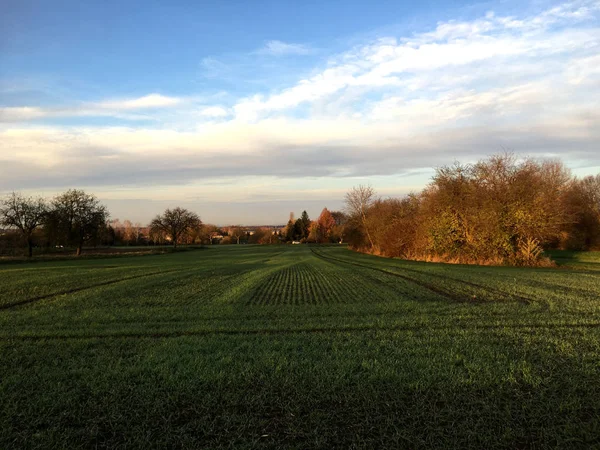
{"type": "Point", "coordinates": [422, 284]}
{"type": "Point", "coordinates": [420, 328]}
{"type": "Point", "coordinates": [82, 288]}
{"type": "Point", "coordinates": [222, 282]}
{"type": "Point", "coordinates": [545, 284]}
{"type": "Point", "coordinates": [520, 298]}
{"type": "Point", "coordinates": [429, 286]}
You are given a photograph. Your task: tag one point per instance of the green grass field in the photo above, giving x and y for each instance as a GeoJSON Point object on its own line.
{"type": "Point", "coordinates": [298, 347]}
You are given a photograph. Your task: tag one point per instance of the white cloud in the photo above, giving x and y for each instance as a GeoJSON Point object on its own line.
{"type": "Point", "coordinates": [475, 45]}
{"type": "Point", "coordinates": [19, 114]}
{"type": "Point", "coordinates": [214, 111]}
{"type": "Point", "coordinates": [146, 102]}
{"type": "Point", "coordinates": [328, 82]}
{"type": "Point", "coordinates": [279, 48]}
{"type": "Point", "coordinates": [213, 68]}
{"type": "Point", "coordinates": [585, 70]}
{"type": "Point", "coordinates": [123, 109]}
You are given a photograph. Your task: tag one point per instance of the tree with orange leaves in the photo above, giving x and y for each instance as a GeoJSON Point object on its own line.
{"type": "Point", "coordinates": [325, 224]}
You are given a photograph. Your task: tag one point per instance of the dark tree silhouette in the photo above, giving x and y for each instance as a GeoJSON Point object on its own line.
{"type": "Point", "coordinates": [80, 216]}
{"type": "Point", "coordinates": [174, 223]}
{"type": "Point", "coordinates": [23, 213]}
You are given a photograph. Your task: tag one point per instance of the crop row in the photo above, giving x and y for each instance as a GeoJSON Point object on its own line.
{"type": "Point", "coordinates": [309, 283]}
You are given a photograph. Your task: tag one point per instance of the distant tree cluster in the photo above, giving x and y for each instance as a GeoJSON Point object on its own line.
{"type": "Point", "coordinates": [75, 218]}
{"type": "Point", "coordinates": [329, 227]}
{"type": "Point", "coordinates": [299, 229]}
{"type": "Point", "coordinates": [497, 211]}
{"type": "Point", "coordinates": [127, 233]}
{"type": "Point", "coordinates": [72, 218]}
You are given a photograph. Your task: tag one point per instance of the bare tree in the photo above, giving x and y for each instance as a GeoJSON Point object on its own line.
{"type": "Point", "coordinates": [136, 232]}
{"type": "Point", "coordinates": [236, 233]}
{"type": "Point", "coordinates": [340, 220]}
{"type": "Point", "coordinates": [358, 201]}
{"type": "Point", "coordinates": [128, 235]}
{"type": "Point", "coordinates": [591, 188]}
{"type": "Point", "coordinates": [23, 213]}
{"type": "Point", "coordinates": [207, 231]}
{"type": "Point", "coordinates": [260, 236]}
{"type": "Point", "coordinates": [174, 223]}
{"type": "Point", "coordinates": [80, 216]}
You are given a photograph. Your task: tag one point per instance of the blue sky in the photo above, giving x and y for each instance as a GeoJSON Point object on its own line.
{"type": "Point", "coordinates": [244, 111]}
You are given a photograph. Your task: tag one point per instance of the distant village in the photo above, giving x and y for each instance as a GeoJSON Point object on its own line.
{"type": "Point", "coordinates": [126, 233]}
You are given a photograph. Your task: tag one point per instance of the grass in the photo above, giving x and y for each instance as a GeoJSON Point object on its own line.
{"type": "Point", "coordinates": [298, 347]}
{"type": "Point", "coordinates": [51, 254]}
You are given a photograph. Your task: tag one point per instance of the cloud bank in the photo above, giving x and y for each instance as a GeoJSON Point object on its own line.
{"type": "Point", "coordinates": [462, 90]}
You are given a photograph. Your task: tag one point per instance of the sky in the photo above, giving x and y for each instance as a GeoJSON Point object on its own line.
{"type": "Point", "coordinates": [244, 111]}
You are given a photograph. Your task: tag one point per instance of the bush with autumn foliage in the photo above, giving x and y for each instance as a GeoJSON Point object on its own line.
{"type": "Point", "coordinates": [497, 211]}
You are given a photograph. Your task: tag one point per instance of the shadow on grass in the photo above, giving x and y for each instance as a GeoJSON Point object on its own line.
{"type": "Point", "coordinates": [335, 404]}
{"type": "Point", "coordinates": [454, 328]}
{"type": "Point", "coordinates": [98, 253]}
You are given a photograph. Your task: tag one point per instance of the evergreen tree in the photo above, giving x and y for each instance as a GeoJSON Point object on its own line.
{"type": "Point", "coordinates": [305, 224]}
{"type": "Point", "coordinates": [289, 231]}
{"type": "Point", "coordinates": [298, 230]}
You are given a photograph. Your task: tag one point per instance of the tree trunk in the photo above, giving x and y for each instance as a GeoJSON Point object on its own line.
{"type": "Point", "coordinates": [29, 247]}
{"type": "Point", "coordinates": [364, 221]}
{"type": "Point", "coordinates": [80, 242]}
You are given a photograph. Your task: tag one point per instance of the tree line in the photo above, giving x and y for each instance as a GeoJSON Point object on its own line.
{"type": "Point", "coordinates": [72, 218]}
{"type": "Point", "coordinates": [76, 218]}
{"type": "Point", "coordinates": [500, 210]}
